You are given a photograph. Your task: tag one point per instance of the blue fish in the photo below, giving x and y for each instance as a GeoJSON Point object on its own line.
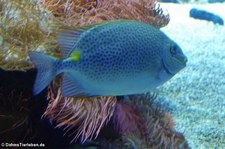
{"type": "Point", "coordinates": [119, 57]}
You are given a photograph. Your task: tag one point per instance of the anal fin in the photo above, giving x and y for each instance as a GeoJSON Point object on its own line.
{"type": "Point", "coordinates": [71, 87]}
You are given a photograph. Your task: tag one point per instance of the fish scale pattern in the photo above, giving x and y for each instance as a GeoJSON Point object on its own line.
{"type": "Point", "coordinates": [118, 49]}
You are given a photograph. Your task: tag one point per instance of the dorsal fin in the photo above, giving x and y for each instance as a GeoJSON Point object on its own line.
{"type": "Point", "coordinates": [67, 40]}
{"type": "Point", "coordinates": [69, 37]}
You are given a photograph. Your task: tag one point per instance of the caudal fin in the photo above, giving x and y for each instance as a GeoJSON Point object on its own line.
{"type": "Point", "coordinates": [45, 70]}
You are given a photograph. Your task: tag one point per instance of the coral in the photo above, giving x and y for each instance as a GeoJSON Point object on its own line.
{"type": "Point", "coordinates": [127, 119]}
{"type": "Point", "coordinates": [82, 12]}
{"type": "Point", "coordinates": [139, 122]}
{"type": "Point", "coordinates": [20, 112]}
{"type": "Point", "coordinates": [205, 15]}
{"type": "Point", "coordinates": [24, 27]}
{"type": "Point", "coordinates": [123, 142]}
{"type": "Point", "coordinates": [154, 127]}
{"type": "Point", "coordinates": [86, 115]}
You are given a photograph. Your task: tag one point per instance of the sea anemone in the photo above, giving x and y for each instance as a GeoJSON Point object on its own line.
{"type": "Point", "coordinates": [80, 117]}
{"type": "Point", "coordinates": [127, 119]}
{"type": "Point", "coordinates": [135, 118]}
{"type": "Point", "coordinates": [82, 12]}
{"type": "Point", "coordinates": [158, 131]}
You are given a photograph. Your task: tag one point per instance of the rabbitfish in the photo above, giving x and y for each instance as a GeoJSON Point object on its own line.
{"type": "Point", "coordinates": [113, 58]}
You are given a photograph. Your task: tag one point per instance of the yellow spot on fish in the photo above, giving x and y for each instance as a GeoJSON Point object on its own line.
{"type": "Point", "coordinates": [75, 55]}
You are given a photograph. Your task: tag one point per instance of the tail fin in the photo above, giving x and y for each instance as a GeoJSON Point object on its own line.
{"type": "Point", "coordinates": [45, 70]}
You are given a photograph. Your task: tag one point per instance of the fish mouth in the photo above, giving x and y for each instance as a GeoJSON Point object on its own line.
{"type": "Point", "coordinates": [182, 59]}
{"type": "Point", "coordinates": [185, 60]}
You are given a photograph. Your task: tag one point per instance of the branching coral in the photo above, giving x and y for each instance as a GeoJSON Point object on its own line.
{"type": "Point", "coordinates": [83, 12]}
{"type": "Point", "coordinates": [24, 27]}
{"type": "Point", "coordinates": [86, 115]}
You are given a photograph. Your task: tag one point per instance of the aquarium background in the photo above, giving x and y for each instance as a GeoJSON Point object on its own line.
{"type": "Point", "coordinates": [195, 97]}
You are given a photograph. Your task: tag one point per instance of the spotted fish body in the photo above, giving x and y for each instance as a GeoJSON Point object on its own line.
{"type": "Point", "coordinates": [109, 59]}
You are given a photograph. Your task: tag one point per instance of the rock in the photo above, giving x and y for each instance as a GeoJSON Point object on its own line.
{"type": "Point", "coordinates": [204, 15]}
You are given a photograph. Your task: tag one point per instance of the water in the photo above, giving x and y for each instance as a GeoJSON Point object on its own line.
{"type": "Point", "coordinates": [195, 97]}
{"type": "Point", "coordinates": [199, 90]}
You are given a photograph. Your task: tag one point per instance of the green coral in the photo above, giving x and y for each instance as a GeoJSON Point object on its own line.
{"type": "Point", "coordinates": [24, 27]}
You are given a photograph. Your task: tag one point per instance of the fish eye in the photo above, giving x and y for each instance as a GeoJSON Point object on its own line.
{"type": "Point", "coordinates": [173, 50]}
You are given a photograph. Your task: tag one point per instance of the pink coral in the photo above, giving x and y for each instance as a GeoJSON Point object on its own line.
{"type": "Point", "coordinates": [127, 119]}
{"type": "Point", "coordinates": [82, 12]}
{"type": "Point", "coordinates": [88, 115]}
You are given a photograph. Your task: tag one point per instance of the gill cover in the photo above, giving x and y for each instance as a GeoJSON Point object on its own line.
{"type": "Point", "coordinates": [173, 58]}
